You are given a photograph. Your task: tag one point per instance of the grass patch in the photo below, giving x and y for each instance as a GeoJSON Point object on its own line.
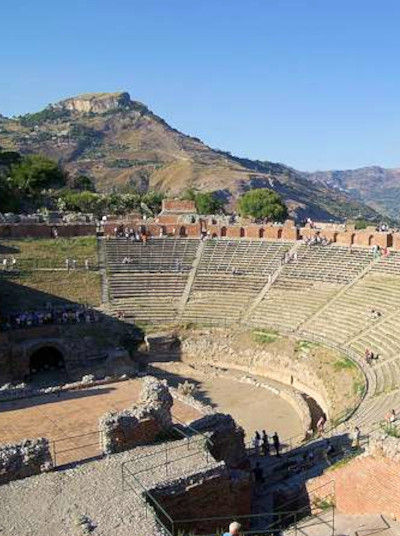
{"type": "Point", "coordinates": [46, 253]}
{"type": "Point", "coordinates": [391, 430]}
{"type": "Point", "coordinates": [305, 345]}
{"type": "Point", "coordinates": [344, 363]}
{"type": "Point", "coordinates": [265, 336]}
{"type": "Point", "coordinates": [32, 290]}
{"type": "Point", "coordinates": [344, 461]}
{"type": "Point", "coordinates": [359, 388]}
{"type": "Point", "coordinates": [323, 503]}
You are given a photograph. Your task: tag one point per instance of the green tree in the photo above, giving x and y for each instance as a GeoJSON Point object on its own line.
{"type": "Point", "coordinates": [208, 203]}
{"type": "Point", "coordinates": [262, 203]}
{"type": "Point", "coordinates": [35, 173]}
{"type": "Point", "coordinates": [82, 201]}
{"type": "Point", "coordinates": [83, 183]}
{"type": "Point", "coordinates": [153, 200]}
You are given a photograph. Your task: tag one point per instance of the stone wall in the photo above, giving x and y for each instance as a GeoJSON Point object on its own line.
{"type": "Point", "coordinates": [27, 458]}
{"type": "Point", "coordinates": [226, 439]}
{"type": "Point", "coordinates": [140, 424]}
{"type": "Point", "coordinates": [215, 349]}
{"type": "Point", "coordinates": [214, 493]}
{"type": "Point", "coordinates": [170, 223]}
{"type": "Point", "coordinates": [44, 230]}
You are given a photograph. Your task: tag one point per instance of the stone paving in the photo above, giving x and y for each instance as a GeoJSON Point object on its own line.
{"type": "Point", "coordinates": [66, 417]}
{"type": "Point", "coordinates": [51, 504]}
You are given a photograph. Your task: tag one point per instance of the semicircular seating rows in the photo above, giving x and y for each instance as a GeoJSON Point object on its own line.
{"type": "Point", "coordinates": [323, 293]}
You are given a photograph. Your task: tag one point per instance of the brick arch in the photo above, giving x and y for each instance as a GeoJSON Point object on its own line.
{"type": "Point", "coordinates": [30, 347]}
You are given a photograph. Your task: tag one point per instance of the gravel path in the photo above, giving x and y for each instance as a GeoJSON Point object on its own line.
{"type": "Point", "coordinates": [50, 504]}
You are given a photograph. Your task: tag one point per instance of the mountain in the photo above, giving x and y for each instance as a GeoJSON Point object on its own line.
{"type": "Point", "coordinates": [122, 145]}
{"type": "Point", "coordinates": [375, 186]}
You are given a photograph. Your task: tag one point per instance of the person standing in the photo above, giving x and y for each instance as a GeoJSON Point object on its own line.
{"type": "Point", "coordinates": [256, 443]}
{"type": "Point", "coordinates": [264, 443]}
{"type": "Point", "coordinates": [277, 444]}
{"type": "Point", "coordinates": [356, 438]}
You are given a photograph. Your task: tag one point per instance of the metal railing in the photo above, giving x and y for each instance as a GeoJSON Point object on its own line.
{"type": "Point", "coordinates": [29, 264]}
{"type": "Point", "coordinates": [135, 482]}
{"type": "Point", "coordinates": [318, 510]}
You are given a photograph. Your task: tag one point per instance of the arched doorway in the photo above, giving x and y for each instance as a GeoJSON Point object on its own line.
{"type": "Point", "coordinates": [261, 233]}
{"type": "Point", "coordinates": [223, 231]}
{"type": "Point", "coordinates": [182, 231]}
{"type": "Point", "coordinates": [46, 359]}
{"type": "Point", "coordinates": [242, 232]}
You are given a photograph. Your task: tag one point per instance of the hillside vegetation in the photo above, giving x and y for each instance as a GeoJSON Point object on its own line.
{"type": "Point", "coordinates": [124, 147]}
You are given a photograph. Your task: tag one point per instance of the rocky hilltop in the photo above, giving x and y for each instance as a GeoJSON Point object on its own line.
{"type": "Point", "coordinates": [95, 102]}
{"type": "Point", "coordinates": [122, 145]}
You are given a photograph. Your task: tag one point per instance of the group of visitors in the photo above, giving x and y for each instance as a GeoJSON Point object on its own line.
{"type": "Point", "coordinates": [128, 260]}
{"type": "Point", "coordinates": [130, 234]}
{"type": "Point", "coordinates": [40, 317]}
{"type": "Point", "coordinates": [377, 251]}
{"type": "Point", "coordinates": [317, 240]}
{"type": "Point", "coordinates": [72, 264]}
{"type": "Point", "coordinates": [9, 263]}
{"type": "Point", "coordinates": [261, 444]}
{"type": "Point", "coordinates": [374, 314]}
{"type": "Point", "coordinates": [289, 257]}
{"type": "Point", "coordinates": [391, 417]}
{"type": "Point", "coordinates": [383, 228]}
{"type": "Point", "coordinates": [370, 356]}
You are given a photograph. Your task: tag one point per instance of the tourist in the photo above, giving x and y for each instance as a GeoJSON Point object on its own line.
{"type": "Point", "coordinates": [264, 443]}
{"type": "Point", "coordinates": [356, 438]}
{"type": "Point", "coordinates": [4, 264]}
{"type": "Point", "coordinates": [321, 424]}
{"type": "Point", "coordinates": [277, 443]}
{"type": "Point", "coordinates": [258, 474]}
{"type": "Point", "coordinates": [86, 264]}
{"type": "Point", "coordinates": [67, 264]}
{"type": "Point", "coordinates": [390, 417]}
{"type": "Point", "coordinates": [256, 443]}
{"type": "Point", "coordinates": [234, 529]}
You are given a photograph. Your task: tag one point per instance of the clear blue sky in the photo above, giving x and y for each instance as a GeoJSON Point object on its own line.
{"type": "Point", "coordinates": [311, 83]}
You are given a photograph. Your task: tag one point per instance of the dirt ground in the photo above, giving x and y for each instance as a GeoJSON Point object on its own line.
{"type": "Point", "coordinates": [254, 408]}
{"type": "Point", "coordinates": [70, 421]}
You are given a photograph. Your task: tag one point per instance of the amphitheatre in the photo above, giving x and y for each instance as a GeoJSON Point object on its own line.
{"type": "Point", "coordinates": [134, 376]}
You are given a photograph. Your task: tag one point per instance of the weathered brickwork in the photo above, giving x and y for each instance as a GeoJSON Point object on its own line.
{"type": "Point", "coordinates": [44, 230]}
{"type": "Point", "coordinates": [216, 493]}
{"type": "Point", "coordinates": [366, 485]}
